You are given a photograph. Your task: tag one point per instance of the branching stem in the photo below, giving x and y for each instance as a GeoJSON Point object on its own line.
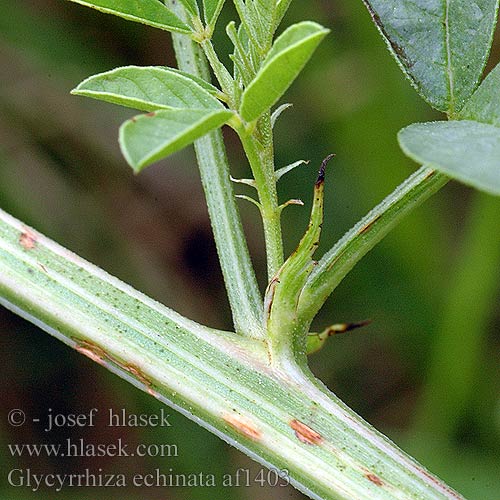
{"type": "Point", "coordinates": [358, 241]}
{"type": "Point", "coordinates": [239, 275]}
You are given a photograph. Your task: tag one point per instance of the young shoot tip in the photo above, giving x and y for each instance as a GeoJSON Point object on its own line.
{"type": "Point", "coordinates": [321, 173]}
{"type": "Point", "coordinates": [346, 327]}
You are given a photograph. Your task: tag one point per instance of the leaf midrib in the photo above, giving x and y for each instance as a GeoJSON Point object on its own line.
{"type": "Point", "coordinates": [449, 67]}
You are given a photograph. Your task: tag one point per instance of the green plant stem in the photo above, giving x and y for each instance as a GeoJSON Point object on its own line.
{"type": "Point", "coordinates": [286, 420]}
{"type": "Point", "coordinates": [258, 146]}
{"type": "Point", "coordinates": [460, 341]}
{"type": "Point", "coordinates": [237, 269]}
{"type": "Point", "coordinates": [358, 241]}
{"type": "Point", "coordinates": [259, 150]}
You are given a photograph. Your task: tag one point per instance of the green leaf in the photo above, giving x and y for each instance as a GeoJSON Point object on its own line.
{"type": "Point", "coordinates": [150, 12]}
{"type": "Point", "coordinates": [211, 89]}
{"type": "Point", "coordinates": [249, 20]}
{"type": "Point", "coordinates": [191, 6]}
{"type": "Point", "coordinates": [465, 150]}
{"type": "Point", "coordinates": [442, 46]}
{"type": "Point", "coordinates": [149, 138]}
{"type": "Point", "coordinates": [289, 54]}
{"type": "Point", "coordinates": [243, 64]}
{"type": "Point", "coordinates": [281, 8]}
{"type": "Point", "coordinates": [484, 105]}
{"type": "Point", "coordinates": [263, 12]}
{"type": "Point", "coordinates": [211, 11]}
{"type": "Point", "coordinates": [147, 89]}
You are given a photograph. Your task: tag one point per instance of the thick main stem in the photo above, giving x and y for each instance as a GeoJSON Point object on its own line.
{"type": "Point", "coordinates": [285, 420]}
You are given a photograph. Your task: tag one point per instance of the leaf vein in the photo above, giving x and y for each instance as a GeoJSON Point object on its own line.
{"type": "Point", "coordinates": [449, 66]}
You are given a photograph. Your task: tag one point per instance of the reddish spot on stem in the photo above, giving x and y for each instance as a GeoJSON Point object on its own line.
{"type": "Point", "coordinates": [374, 479]}
{"type": "Point", "coordinates": [92, 351]}
{"type": "Point", "coordinates": [153, 113]}
{"type": "Point", "coordinates": [27, 240]}
{"type": "Point", "coordinates": [97, 354]}
{"type": "Point", "coordinates": [139, 375]}
{"type": "Point", "coordinates": [243, 426]}
{"type": "Point", "coordinates": [305, 434]}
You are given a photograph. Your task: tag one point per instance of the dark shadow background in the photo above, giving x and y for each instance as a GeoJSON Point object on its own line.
{"type": "Point", "coordinates": [61, 172]}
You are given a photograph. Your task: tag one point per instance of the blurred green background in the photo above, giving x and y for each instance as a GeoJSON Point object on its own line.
{"type": "Point", "coordinates": [425, 372]}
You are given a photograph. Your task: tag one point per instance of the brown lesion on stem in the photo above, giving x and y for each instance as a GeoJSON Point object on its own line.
{"type": "Point", "coordinates": [374, 479]}
{"type": "Point", "coordinates": [139, 375]}
{"type": "Point", "coordinates": [27, 239]}
{"type": "Point", "coordinates": [269, 295]}
{"type": "Point", "coordinates": [92, 352]}
{"type": "Point", "coordinates": [432, 173]}
{"type": "Point", "coordinates": [243, 426]}
{"type": "Point", "coordinates": [100, 356]}
{"type": "Point", "coordinates": [305, 434]}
